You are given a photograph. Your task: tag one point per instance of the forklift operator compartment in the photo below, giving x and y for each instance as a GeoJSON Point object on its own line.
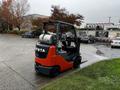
{"type": "Point", "coordinates": [57, 47]}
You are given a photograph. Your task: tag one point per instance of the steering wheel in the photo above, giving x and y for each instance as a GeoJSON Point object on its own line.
{"type": "Point", "coordinates": [66, 40]}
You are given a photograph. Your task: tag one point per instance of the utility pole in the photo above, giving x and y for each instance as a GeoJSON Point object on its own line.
{"type": "Point", "coordinates": [110, 19]}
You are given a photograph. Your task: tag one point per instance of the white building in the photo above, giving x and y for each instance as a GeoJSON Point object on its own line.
{"type": "Point", "coordinates": [112, 27]}
{"type": "Point", "coordinates": [101, 25]}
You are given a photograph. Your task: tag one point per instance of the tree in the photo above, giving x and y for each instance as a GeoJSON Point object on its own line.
{"type": "Point", "coordinates": [13, 12]}
{"type": "Point", "coordinates": [5, 13]}
{"type": "Point", "coordinates": [38, 22]}
{"type": "Point", "coordinates": [63, 15]}
{"type": "Point", "coordinates": [3, 23]}
{"type": "Point", "coordinates": [19, 8]}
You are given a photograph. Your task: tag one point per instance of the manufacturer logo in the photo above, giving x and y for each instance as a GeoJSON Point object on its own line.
{"type": "Point", "coordinates": [40, 49]}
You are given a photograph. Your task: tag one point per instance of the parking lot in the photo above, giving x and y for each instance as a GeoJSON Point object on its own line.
{"type": "Point", "coordinates": [17, 62]}
{"type": "Point", "coordinates": [107, 51]}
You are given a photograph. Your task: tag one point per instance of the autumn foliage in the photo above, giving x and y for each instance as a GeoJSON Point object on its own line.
{"type": "Point", "coordinates": [60, 14]}
{"type": "Point", "coordinates": [39, 22]}
{"type": "Point", "coordinates": [12, 12]}
{"type": "Point", "coordinates": [63, 15]}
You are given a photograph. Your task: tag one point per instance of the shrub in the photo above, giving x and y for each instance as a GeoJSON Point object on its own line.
{"type": "Point", "coordinates": [17, 32]}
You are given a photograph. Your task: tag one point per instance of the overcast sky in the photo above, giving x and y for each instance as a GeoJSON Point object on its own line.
{"type": "Point", "coordinates": [92, 10]}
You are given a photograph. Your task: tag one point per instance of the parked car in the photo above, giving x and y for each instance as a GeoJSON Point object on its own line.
{"type": "Point", "coordinates": [115, 42]}
{"type": "Point", "coordinates": [86, 38]}
{"type": "Point", "coordinates": [28, 35]}
{"type": "Point", "coordinates": [32, 34]}
{"type": "Point", "coordinates": [37, 33]}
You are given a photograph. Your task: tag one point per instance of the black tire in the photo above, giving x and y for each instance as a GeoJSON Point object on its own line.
{"type": "Point", "coordinates": [89, 41]}
{"type": "Point", "coordinates": [36, 70]}
{"type": "Point", "coordinates": [93, 41]}
{"type": "Point", "coordinates": [77, 62]}
{"type": "Point", "coordinates": [33, 36]}
{"type": "Point", "coordinates": [112, 46]}
{"type": "Point", "coordinates": [54, 71]}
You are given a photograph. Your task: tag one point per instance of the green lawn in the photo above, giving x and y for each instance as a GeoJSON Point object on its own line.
{"type": "Point", "coordinates": [104, 75]}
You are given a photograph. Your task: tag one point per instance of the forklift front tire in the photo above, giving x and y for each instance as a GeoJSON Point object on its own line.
{"type": "Point", "coordinates": [77, 62]}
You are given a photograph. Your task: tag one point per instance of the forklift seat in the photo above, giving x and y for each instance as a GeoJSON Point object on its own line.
{"type": "Point", "coordinates": [68, 57]}
{"type": "Point", "coordinates": [70, 49]}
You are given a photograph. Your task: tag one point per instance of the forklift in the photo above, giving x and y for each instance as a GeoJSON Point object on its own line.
{"type": "Point", "coordinates": [58, 49]}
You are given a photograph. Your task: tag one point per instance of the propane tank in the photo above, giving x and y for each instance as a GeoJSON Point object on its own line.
{"type": "Point", "coordinates": [47, 38]}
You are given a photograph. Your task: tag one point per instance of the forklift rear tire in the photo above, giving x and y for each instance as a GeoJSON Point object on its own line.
{"type": "Point", "coordinates": [77, 62]}
{"type": "Point", "coordinates": [54, 71]}
{"type": "Point", "coordinates": [37, 72]}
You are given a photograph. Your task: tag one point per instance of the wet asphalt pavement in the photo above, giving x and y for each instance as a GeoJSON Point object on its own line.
{"type": "Point", "coordinates": [17, 62]}
{"type": "Point", "coordinates": [107, 51]}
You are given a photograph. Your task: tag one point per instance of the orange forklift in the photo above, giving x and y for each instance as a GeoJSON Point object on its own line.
{"type": "Point", "coordinates": [58, 49]}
